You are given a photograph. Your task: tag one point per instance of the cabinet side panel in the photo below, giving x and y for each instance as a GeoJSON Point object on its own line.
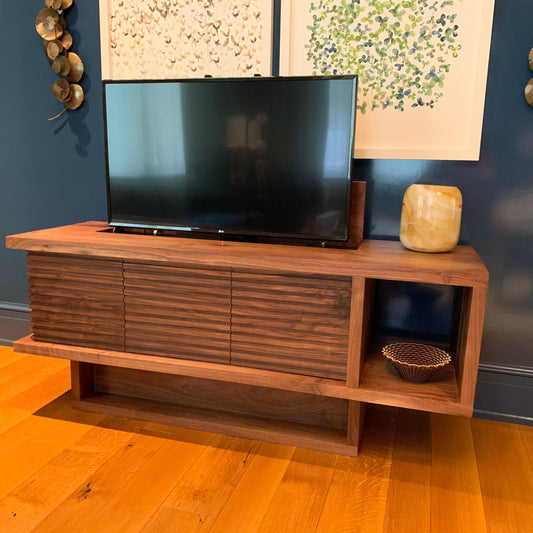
{"type": "Point", "coordinates": [294, 324]}
{"type": "Point", "coordinates": [76, 301]}
{"type": "Point", "coordinates": [472, 314]}
{"type": "Point", "coordinates": [177, 312]}
{"type": "Point", "coordinates": [356, 412]}
{"type": "Point", "coordinates": [361, 309]}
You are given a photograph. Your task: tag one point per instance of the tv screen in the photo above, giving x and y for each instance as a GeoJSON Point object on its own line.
{"type": "Point", "coordinates": [269, 157]}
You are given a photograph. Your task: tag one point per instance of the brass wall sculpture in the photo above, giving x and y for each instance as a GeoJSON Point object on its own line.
{"type": "Point", "coordinates": [529, 87]}
{"type": "Point", "coordinates": [51, 26]}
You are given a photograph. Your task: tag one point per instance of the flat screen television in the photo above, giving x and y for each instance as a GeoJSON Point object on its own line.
{"type": "Point", "coordinates": [247, 158]}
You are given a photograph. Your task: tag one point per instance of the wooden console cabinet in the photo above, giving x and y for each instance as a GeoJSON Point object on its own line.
{"type": "Point", "coordinates": [263, 341]}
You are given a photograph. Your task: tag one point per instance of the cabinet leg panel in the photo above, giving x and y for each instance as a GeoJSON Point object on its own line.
{"type": "Point", "coordinates": [469, 342]}
{"type": "Point", "coordinates": [81, 379]}
{"type": "Point", "coordinates": [356, 411]}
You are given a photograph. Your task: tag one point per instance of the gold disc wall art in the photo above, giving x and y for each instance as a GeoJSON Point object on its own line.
{"type": "Point", "coordinates": [528, 92]}
{"type": "Point", "coordinates": [51, 26]}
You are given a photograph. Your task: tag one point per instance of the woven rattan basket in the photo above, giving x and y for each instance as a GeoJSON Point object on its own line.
{"type": "Point", "coordinates": [414, 362]}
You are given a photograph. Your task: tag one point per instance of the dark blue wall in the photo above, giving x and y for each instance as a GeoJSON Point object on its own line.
{"type": "Point", "coordinates": [52, 173]}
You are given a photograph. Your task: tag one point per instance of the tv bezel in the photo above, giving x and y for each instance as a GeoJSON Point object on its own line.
{"type": "Point", "coordinates": [221, 233]}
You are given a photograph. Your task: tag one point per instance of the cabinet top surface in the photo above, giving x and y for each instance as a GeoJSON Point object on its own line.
{"type": "Point", "coordinates": [373, 259]}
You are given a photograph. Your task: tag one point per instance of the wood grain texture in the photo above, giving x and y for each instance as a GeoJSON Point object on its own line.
{"type": "Point", "coordinates": [204, 491]}
{"type": "Point", "coordinates": [357, 496]}
{"type": "Point", "coordinates": [100, 480]}
{"type": "Point", "coordinates": [356, 412]}
{"type": "Point", "coordinates": [251, 498]}
{"type": "Point", "coordinates": [60, 408]}
{"type": "Point", "coordinates": [33, 499]}
{"type": "Point", "coordinates": [170, 519]}
{"type": "Point", "coordinates": [31, 444]}
{"type": "Point", "coordinates": [146, 461]}
{"type": "Point", "coordinates": [434, 397]}
{"type": "Point", "coordinates": [82, 379]}
{"type": "Point", "coordinates": [269, 314]}
{"type": "Point", "coordinates": [75, 300]}
{"type": "Point", "coordinates": [307, 479]}
{"type": "Point", "coordinates": [8, 356]}
{"type": "Point", "coordinates": [361, 307]}
{"type": "Point", "coordinates": [144, 490]}
{"type": "Point", "coordinates": [231, 397]}
{"type": "Point", "coordinates": [32, 396]}
{"type": "Point", "coordinates": [276, 303]}
{"type": "Point", "coordinates": [409, 497]}
{"type": "Point", "coordinates": [373, 259]}
{"type": "Point", "coordinates": [379, 374]}
{"type": "Point", "coordinates": [357, 214]}
{"type": "Point", "coordinates": [527, 436]}
{"type": "Point", "coordinates": [191, 308]}
{"type": "Point", "coordinates": [505, 475]}
{"type": "Point", "coordinates": [469, 342]}
{"type": "Point", "coordinates": [456, 500]}
{"type": "Point", "coordinates": [270, 430]}
{"type": "Point", "coordinates": [11, 416]}
{"type": "Point", "coordinates": [95, 490]}
{"type": "Point", "coordinates": [22, 372]}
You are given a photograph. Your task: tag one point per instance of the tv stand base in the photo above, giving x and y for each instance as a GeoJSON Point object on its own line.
{"type": "Point", "coordinates": [277, 343]}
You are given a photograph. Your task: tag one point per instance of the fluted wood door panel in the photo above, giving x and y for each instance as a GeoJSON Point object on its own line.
{"type": "Point", "coordinates": [177, 311]}
{"type": "Point", "coordinates": [291, 323]}
{"type": "Point", "coordinates": [76, 300]}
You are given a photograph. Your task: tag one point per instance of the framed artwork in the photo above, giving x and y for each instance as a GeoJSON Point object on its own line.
{"type": "Point", "coordinates": [164, 39]}
{"type": "Point", "coordinates": [421, 65]}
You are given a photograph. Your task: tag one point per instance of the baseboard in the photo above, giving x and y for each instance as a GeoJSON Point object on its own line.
{"type": "Point", "coordinates": [14, 322]}
{"type": "Point", "coordinates": [505, 393]}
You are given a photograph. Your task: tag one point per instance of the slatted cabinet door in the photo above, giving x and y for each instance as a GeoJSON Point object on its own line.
{"type": "Point", "coordinates": [291, 323]}
{"type": "Point", "coordinates": [176, 311]}
{"type": "Point", "coordinates": [76, 300]}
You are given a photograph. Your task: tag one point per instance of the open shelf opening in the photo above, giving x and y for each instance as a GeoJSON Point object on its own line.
{"type": "Point", "coordinates": [411, 312]}
{"type": "Point", "coordinates": [203, 419]}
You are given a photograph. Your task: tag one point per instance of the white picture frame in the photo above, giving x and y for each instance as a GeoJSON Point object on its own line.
{"type": "Point", "coordinates": [445, 128]}
{"type": "Point", "coordinates": [175, 39]}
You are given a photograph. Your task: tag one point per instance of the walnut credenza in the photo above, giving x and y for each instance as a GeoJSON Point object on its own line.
{"type": "Point", "coordinates": [269, 342]}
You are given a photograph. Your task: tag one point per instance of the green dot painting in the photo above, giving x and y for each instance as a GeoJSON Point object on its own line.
{"type": "Point", "coordinates": [401, 51]}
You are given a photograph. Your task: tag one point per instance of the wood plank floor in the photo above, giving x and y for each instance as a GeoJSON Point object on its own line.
{"type": "Point", "coordinates": [65, 470]}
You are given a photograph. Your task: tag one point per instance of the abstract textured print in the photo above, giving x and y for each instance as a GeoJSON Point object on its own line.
{"type": "Point", "coordinates": [157, 39]}
{"type": "Point", "coordinates": [400, 49]}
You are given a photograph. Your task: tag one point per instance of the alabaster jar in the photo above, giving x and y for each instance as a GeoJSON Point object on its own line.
{"type": "Point", "coordinates": [431, 218]}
